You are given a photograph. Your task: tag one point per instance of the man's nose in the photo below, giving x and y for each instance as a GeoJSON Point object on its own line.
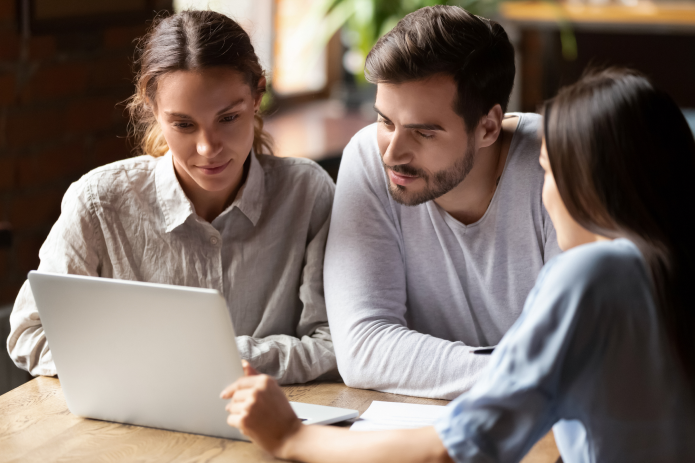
{"type": "Point", "coordinates": [398, 150]}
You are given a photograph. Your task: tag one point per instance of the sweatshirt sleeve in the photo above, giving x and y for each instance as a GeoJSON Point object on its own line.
{"type": "Point", "coordinates": [365, 284]}
{"type": "Point", "coordinates": [309, 355]}
{"type": "Point", "coordinates": [550, 246]}
{"type": "Point", "coordinates": [71, 248]}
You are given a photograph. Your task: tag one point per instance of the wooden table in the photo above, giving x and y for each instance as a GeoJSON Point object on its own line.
{"type": "Point", "coordinates": [36, 426]}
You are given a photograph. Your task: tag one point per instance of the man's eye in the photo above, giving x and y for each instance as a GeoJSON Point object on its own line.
{"type": "Point", "coordinates": [385, 122]}
{"type": "Point", "coordinates": [229, 118]}
{"type": "Point", "coordinates": [425, 136]}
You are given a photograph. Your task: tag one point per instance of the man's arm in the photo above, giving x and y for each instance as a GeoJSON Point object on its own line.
{"type": "Point", "coordinates": [365, 283]}
{"type": "Point", "coordinates": [550, 247]}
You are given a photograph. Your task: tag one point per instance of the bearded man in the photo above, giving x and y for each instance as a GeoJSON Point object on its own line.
{"type": "Point", "coordinates": [438, 229]}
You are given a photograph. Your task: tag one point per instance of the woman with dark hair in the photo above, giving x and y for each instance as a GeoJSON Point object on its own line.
{"type": "Point", "coordinates": [205, 205]}
{"type": "Point", "coordinates": [603, 351]}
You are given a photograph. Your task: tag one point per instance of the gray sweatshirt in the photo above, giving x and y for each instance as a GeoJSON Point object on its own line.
{"type": "Point", "coordinates": [409, 290]}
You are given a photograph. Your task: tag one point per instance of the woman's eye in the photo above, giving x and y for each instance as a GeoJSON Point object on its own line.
{"type": "Point", "coordinates": [384, 122]}
{"type": "Point", "coordinates": [229, 118]}
{"type": "Point", "coordinates": [183, 125]}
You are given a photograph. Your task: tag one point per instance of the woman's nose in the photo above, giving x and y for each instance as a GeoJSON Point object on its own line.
{"type": "Point", "coordinates": [208, 145]}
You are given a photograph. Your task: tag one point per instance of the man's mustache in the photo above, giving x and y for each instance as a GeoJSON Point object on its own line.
{"type": "Point", "coordinates": [406, 170]}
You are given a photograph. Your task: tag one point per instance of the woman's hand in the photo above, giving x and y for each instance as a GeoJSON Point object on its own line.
{"type": "Point", "coordinates": [259, 408]}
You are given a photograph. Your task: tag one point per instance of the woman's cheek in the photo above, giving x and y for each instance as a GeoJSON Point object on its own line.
{"type": "Point", "coordinates": [170, 137]}
{"type": "Point", "coordinates": [239, 135]}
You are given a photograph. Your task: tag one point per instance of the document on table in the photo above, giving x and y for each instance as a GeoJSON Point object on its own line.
{"type": "Point", "coordinates": [391, 416]}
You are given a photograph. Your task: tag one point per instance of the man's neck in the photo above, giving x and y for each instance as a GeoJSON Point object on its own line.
{"type": "Point", "coordinates": [468, 201]}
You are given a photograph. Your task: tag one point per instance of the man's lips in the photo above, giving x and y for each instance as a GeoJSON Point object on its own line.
{"type": "Point", "coordinates": [213, 168]}
{"type": "Point", "coordinates": [401, 179]}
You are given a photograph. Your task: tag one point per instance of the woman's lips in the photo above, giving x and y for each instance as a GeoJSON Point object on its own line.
{"type": "Point", "coordinates": [401, 179]}
{"type": "Point", "coordinates": [214, 169]}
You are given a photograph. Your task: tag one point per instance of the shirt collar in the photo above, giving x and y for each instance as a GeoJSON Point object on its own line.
{"type": "Point", "coordinates": [177, 207]}
{"type": "Point", "coordinates": [249, 200]}
{"type": "Point", "coordinates": [174, 203]}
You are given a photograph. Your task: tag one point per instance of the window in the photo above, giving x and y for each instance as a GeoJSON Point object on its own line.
{"type": "Point", "coordinates": [290, 58]}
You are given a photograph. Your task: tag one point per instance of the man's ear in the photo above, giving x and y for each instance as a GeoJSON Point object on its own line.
{"type": "Point", "coordinates": [490, 126]}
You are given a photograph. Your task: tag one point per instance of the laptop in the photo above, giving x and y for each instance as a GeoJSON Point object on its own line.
{"type": "Point", "coordinates": [147, 354]}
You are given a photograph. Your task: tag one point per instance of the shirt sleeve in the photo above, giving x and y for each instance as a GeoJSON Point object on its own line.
{"type": "Point", "coordinates": [71, 248]}
{"type": "Point", "coordinates": [520, 395]}
{"type": "Point", "coordinates": [366, 292]}
{"type": "Point", "coordinates": [309, 355]}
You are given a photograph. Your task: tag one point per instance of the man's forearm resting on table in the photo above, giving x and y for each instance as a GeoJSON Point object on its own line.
{"type": "Point", "coordinates": [395, 359]}
{"type": "Point", "coordinates": [318, 443]}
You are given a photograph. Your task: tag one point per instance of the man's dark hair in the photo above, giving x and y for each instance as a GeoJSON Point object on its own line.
{"type": "Point", "coordinates": [448, 39]}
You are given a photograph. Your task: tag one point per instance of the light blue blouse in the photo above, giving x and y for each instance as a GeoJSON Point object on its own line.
{"type": "Point", "coordinates": [586, 357]}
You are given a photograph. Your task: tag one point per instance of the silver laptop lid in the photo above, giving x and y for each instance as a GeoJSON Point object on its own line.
{"type": "Point", "coordinates": [140, 353]}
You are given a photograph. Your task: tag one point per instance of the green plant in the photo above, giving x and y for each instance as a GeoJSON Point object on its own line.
{"type": "Point", "coordinates": [370, 19]}
{"type": "Point", "coordinates": [364, 21]}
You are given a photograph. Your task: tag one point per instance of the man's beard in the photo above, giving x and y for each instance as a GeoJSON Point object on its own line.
{"type": "Point", "coordinates": [436, 184]}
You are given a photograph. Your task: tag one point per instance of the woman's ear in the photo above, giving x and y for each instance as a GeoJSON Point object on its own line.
{"type": "Point", "coordinates": [260, 90]}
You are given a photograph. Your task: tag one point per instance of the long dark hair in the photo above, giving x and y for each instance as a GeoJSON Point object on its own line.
{"type": "Point", "coordinates": [189, 40]}
{"type": "Point", "coordinates": [623, 158]}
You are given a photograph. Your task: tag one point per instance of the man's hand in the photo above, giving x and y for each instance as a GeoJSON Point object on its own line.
{"type": "Point", "coordinates": [259, 408]}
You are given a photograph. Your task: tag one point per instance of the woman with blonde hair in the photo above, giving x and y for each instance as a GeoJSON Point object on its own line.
{"type": "Point", "coordinates": [204, 205]}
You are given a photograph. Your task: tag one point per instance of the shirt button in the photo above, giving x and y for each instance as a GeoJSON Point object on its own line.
{"type": "Point", "coordinates": [214, 240]}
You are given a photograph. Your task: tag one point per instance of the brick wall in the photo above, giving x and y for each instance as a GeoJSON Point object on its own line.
{"type": "Point", "coordinates": [59, 118]}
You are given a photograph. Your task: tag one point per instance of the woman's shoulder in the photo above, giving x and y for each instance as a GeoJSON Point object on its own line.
{"type": "Point", "coordinates": [589, 290]}
{"type": "Point", "coordinates": [298, 171]}
{"type": "Point", "coordinates": [131, 176]}
{"type": "Point", "coordinates": [599, 259]}
{"type": "Point", "coordinates": [138, 166]}
{"type": "Point", "coordinates": [607, 269]}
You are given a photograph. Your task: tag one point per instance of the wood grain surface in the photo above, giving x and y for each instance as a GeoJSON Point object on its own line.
{"type": "Point", "coordinates": [36, 426]}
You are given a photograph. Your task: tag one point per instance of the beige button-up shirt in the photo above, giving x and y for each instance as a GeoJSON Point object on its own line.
{"type": "Point", "coordinates": [131, 220]}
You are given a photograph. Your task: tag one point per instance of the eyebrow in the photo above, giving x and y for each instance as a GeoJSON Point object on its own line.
{"type": "Point", "coordinates": [429, 127]}
{"type": "Point", "coordinates": [223, 110]}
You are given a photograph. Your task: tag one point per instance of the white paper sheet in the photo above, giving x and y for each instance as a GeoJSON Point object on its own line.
{"type": "Point", "coordinates": [391, 416]}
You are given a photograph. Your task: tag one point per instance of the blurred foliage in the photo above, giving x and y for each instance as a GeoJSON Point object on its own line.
{"type": "Point", "coordinates": [367, 20]}
{"type": "Point", "coordinates": [268, 98]}
{"type": "Point", "coordinates": [364, 21]}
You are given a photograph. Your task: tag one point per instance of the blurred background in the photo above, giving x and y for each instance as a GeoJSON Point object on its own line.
{"type": "Point", "coordinates": [66, 66]}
